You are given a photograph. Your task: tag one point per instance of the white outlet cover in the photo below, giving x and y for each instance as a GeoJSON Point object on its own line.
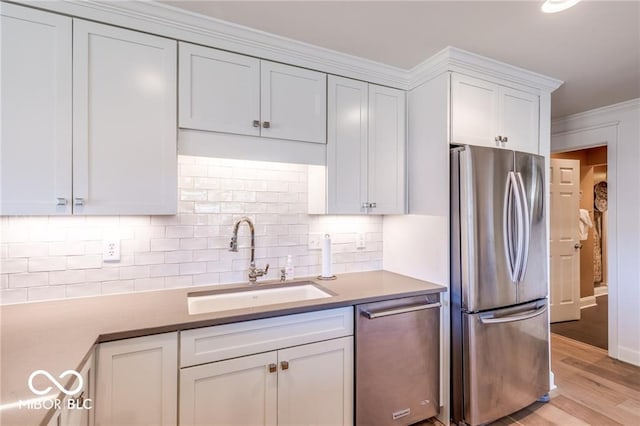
{"type": "Point", "coordinates": [361, 241]}
{"type": "Point", "coordinates": [315, 242]}
{"type": "Point", "coordinates": [111, 250]}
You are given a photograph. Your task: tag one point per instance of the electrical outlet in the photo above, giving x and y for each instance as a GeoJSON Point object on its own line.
{"type": "Point", "coordinates": [111, 250]}
{"type": "Point", "coordinates": [361, 241]}
{"type": "Point", "coordinates": [315, 241]}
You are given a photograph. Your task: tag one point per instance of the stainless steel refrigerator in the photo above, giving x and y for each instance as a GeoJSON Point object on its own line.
{"type": "Point", "coordinates": [499, 318]}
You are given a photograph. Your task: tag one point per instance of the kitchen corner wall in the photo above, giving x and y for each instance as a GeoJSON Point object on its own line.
{"type": "Point", "coordinates": [56, 257]}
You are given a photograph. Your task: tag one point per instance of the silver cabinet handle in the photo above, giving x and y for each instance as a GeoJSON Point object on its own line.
{"type": "Point", "coordinates": [498, 138]}
{"type": "Point", "coordinates": [512, 318]}
{"type": "Point", "coordinates": [61, 201]}
{"type": "Point", "coordinates": [256, 123]}
{"type": "Point", "coordinates": [372, 205]}
{"type": "Point", "coordinates": [266, 124]}
{"type": "Point", "coordinates": [365, 206]}
{"type": "Point", "coordinates": [505, 139]}
{"type": "Point", "coordinates": [577, 246]}
{"type": "Point", "coordinates": [373, 315]}
{"type": "Point", "coordinates": [78, 201]}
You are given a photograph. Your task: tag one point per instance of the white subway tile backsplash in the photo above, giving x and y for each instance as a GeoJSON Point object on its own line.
{"type": "Point", "coordinates": [56, 257]}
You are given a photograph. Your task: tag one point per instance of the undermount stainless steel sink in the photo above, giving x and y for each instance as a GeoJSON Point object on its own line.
{"type": "Point", "coordinates": [249, 297]}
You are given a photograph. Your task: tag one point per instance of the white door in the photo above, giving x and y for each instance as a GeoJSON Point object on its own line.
{"type": "Point", "coordinates": [565, 252]}
{"type": "Point", "coordinates": [474, 111]}
{"type": "Point", "coordinates": [218, 91]}
{"type": "Point", "coordinates": [347, 145]}
{"type": "Point", "coordinates": [315, 384]}
{"type": "Point", "coordinates": [519, 112]}
{"type": "Point", "coordinates": [124, 121]}
{"type": "Point", "coordinates": [236, 392]}
{"type": "Point", "coordinates": [137, 381]}
{"type": "Point", "coordinates": [387, 145]}
{"type": "Point", "coordinates": [35, 148]}
{"type": "Point", "coordinates": [293, 103]}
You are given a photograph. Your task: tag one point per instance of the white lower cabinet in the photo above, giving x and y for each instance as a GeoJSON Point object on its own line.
{"type": "Point", "coordinates": [303, 385]}
{"type": "Point", "coordinates": [78, 408]}
{"type": "Point", "coordinates": [137, 381]}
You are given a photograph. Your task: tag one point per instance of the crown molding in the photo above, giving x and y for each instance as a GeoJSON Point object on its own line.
{"type": "Point", "coordinates": [168, 21]}
{"type": "Point", "coordinates": [459, 60]}
{"type": "Point", "coordinates": [630, 105]}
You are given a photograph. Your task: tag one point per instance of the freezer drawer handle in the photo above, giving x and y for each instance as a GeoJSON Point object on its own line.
{"type": "Point", "coordinates": [373, 315]}
{"type": "Point", "coordinates": [512, 318]}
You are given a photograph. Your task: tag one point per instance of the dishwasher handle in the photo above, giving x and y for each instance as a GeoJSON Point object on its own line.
{"type": "Point", "coordinates": [394, 311]}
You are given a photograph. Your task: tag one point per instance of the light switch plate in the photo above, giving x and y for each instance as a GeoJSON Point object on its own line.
{"type": "Point", "coordinates": [111, 251]}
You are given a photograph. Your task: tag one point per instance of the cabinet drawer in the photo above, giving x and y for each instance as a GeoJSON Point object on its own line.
{"type": "Point", "coordinates": [220, 342]}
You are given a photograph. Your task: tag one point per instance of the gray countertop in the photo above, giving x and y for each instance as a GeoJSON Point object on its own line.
{"type": "Point", "coordinates": [58, 335]}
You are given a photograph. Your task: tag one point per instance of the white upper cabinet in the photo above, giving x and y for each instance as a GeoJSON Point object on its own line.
{"type": "Point", "coordinates": [519, 116]}
{"type": "Point", "coordinates": [488, 114]}
{"type": "Point", "coordinates": [293, 103]}
{"type": "Point", "coordinates": [365, 149]}
{"type": "Point", "coordinates": [347, 145]}
{"type": "Point", "coordinates": [231, 93]}
{"type": "Point", "coordinates": [35, 157]}
{"type": "Point", "coordinates": [124, 121]}
{"type": "Point", "coordinates": [218, 91]}
{"type": "Point", "coordinates": [387, 147]}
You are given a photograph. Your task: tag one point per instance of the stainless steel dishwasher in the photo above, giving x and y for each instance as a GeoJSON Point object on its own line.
{"type": "Point", "coordinates": [398, 361]}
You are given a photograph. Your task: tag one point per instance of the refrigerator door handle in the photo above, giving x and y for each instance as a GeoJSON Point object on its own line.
{"type": "Point", "coordinates": [489, 319]}
{"type": "Point", "coordinates": [526, 228]}
{"type": "Point", "coordinates": [507, 227]}
{"type": "Point", "coordinates": [519, 226]}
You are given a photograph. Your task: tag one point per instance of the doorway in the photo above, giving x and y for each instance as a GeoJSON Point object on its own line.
{"type": "Point", "coordinates": [591, 221]}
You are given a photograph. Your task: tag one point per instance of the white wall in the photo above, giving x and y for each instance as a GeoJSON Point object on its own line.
{"type": "Point", "coordinates": [618, 126]}
{"type": "Point", "coordinates": [43, 258]}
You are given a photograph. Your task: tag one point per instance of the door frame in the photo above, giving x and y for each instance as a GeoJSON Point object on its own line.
{"type": "Point", "coordinates": [605, 134]}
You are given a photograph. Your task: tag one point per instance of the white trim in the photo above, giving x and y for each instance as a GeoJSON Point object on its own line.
{"type": "Point", "coordinates": [172, 22]}
{"type": "Point", "coordinates": [601, 290]}
{"type": "Point", "coordinates": [621, 106]}
{"type": "Point", "coordinates": [586, 135]}
{"type": "Point", "coordinates": [588, 302]}
{"type": "Point", "coordinates": [629, 355]}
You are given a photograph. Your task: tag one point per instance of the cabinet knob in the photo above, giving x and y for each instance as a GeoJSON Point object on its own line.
{"type": "Point", "coordinates": [78, 201]}
{"type": "Point", "coordinates": [284, 365]}
{"type": "Point", "coordinates": [61, 201]}
{"type": "Point", "coordinates": [266, 124]}
{"type": "Point", "coordinates": [505, 139]}
{"type": "Point", "coordinates": [256, 123]}
{"type": "Point", "coordinates": [372, 205]}
{"type": "Point", "coordinates": [272, 368]}
{"type": "Point", "coordinates": [365, 206]}
{"type": "Point", "coordinates": [498, 138]}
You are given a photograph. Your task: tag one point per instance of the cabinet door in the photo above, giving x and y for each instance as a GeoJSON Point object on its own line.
{"type": "Point", "coordinates": [474, 111]}
{"type": "Point", "coordinates": [35, 154]}
{"type": "Point", "coordinates": [519, 112]}
{"type": "Point", "coordinates": [240, 391]}
{"type": "Point", "coordinates": [347, 146]}
{"type": "Point", "coordinates": [293, 103]}
{"type": "Point", "coordinates": [218, 91]}
{"type": "Point", "coordinates": [315, 384]}
{"type": "Point", "coordinates": [136, 381]}
{"type": "Point", "coordinates": [387, 145]}
{"type": "Point", "coordinates": [124, 121]}
{"type": "Point", "coordinates": [79, 412]}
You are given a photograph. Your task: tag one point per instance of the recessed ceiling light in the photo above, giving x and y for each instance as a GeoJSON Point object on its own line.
{"type": "Point", "coordinates": [553, 6]}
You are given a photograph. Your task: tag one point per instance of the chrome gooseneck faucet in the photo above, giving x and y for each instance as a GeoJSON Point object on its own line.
{"type": "Point", "coordinates": [233, 246]}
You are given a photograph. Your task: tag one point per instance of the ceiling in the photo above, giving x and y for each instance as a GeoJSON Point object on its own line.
{"type": "Point", "coordinates": [593, 47]}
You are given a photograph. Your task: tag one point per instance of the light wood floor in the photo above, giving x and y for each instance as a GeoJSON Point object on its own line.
{"type": "Point", "coordinates": [592, 389]}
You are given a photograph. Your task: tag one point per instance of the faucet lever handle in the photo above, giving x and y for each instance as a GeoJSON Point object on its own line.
{"type": "Point", "coordinates": [266, 269]}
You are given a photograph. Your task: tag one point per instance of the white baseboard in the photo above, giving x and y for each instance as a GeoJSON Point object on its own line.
{"type": "Point", "coordinates": [601, 290]}
{"type": "Point", "coordinates": [587, 302]}
{"type": "Point", "coordinates": [629, 355]}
